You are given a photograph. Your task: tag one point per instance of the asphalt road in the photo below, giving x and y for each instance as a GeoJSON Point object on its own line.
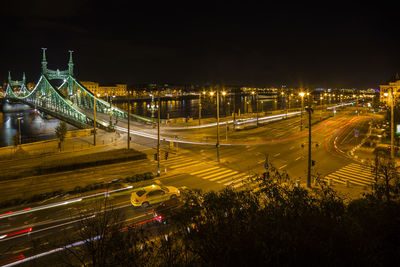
{"type": "Point", "coordinates": [191, 166]}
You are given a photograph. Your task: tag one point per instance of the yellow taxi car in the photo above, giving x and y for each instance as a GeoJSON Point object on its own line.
{"type": "Point", "coordinates": [153, 194]}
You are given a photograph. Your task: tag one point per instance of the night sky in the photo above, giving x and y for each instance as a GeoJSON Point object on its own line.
{"type": "Point", "coordinates": [298, 44]}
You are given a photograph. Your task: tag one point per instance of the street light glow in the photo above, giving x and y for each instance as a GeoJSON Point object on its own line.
{"type": "Point", "coordinates": [301, 94]}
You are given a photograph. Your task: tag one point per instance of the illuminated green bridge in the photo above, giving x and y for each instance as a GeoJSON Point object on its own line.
{"type": "Point", "coordinates": [70, 102]}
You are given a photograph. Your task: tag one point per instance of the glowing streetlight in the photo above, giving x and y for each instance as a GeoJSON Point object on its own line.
{"type": "Point", "coordinates": [217, 145]}
{"type": "Point", "coordinates": [19, 130]}
{"type": "Point", "coordinates": [94, 119]}
{"type": "Point", "coordinates": [301, 94]}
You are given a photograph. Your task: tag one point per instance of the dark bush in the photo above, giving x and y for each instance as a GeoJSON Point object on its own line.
{"type": "Point", "coordinates": [77, 189]}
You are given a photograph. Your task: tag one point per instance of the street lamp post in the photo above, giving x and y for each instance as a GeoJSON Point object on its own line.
{"type": "Point", "coordinates": [391, 120]}
{"type": "Point", "coordinates": [357, 104]}
{"type": "Point", "coordinates": [309, 110]}
{"type": "Point", "coordinates": [321, 104]}
{"type": "Point", "coordinates": [158, 133]}
{"type": "Point", "coordinates": [217, 145]}
{"type": "Point", "coordinates": [284, 97]}
{"type": "Point", "coordinates": [129, 114]}
{"type": "Point", "coordinates": [257, 105]}
{"type": "Point", "coordinates": [392, 123]}
{"type": "Point", "coordinates": [217, 124]}
{"type": "Point", "coordinates": [153, 107]}
{"type": "Point", "coordinates": [199, 108]}
{"type": "Point", "coordinates": [19, 130]}
{"type": "Point", "coordinates": [301, 112]}
{"type": "Point", "coordinates": [234, 109]}
{"type": "Point", "coordinates": [94, 119]}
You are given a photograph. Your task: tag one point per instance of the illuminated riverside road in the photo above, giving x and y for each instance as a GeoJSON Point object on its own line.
{"type": "Point", "coordinates": [282, 140]}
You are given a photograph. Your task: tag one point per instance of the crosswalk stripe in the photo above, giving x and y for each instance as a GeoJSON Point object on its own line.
{"type": "Point", "coordinates": [336, 180]}
{"type": "Point", "coordinates": [239, 184]}
{"type": "Point", "coordinates": [358, 169]}
{"type": "Point", "coordinates": [223, 176]}
{"type": "Point", "coordinates": [354, 175]}
{"type": "Point", "coordinates": [185, 164]}
{"type": "Point", "coordinates": [232, 178]}
{"type": "Point", "coordinates": [208, 172]}
{"type": "Point", "coordinates": [236, 180]}
{"type": "Point", "coordinates": [201, 171]}
{"type": "Point", "coordinates": [182, 160]}
{"type": "Point", "coordinates": [215, 174]}
{"type": "Point", "coordinates": [342, 180]}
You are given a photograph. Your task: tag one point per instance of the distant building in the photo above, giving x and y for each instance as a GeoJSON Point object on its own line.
{"type": "Point", "coordinates": [91, 86]}
{"type": "Point", "coordinates": [385, 90]}
{"type": "Point", "coordinates": [117, 90]}
{"type": "Point", "coordinates": [106, 90]}
{"type": "Point", "coordinates": [30, 86]}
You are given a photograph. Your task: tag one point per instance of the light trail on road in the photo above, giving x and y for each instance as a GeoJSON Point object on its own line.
{"type": "Point", "coordinates": [53, 205]}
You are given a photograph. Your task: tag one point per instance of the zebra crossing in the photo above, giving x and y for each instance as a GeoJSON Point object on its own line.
{"type": "Point", "coordinates": [353, 173]}
{"type": "Point", "coordinates": [217, 174]}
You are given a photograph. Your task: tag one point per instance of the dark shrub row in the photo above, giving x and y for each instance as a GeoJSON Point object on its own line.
{"type": "Point", "coordinates": [139, 177]}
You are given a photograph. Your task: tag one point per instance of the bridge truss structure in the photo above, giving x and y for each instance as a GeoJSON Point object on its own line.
{"type": "Point", "coordinates": [70, 102]}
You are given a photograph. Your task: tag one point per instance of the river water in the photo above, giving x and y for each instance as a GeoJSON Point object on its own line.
{"type": "Point", "coordinates": [36, 128]}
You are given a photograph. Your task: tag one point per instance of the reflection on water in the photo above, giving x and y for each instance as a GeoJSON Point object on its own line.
{"type": "Point", "coordinates": [182, 108]}
{"type": "Point", "coordinates": [33, 126]}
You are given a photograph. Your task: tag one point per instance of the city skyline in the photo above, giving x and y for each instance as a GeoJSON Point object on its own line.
{"type": "Point", "coordinates": [298, 45]}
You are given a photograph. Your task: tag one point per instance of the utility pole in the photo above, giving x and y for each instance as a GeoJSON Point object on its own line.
{"type": "Point", "coordinates": [158, 134]}
{"type": "Point", "coordinates": [309, 110]}
{"type": "Point", "coordinates": [94, 120]}
{"type": "Point", "coordinates": [217, 124]}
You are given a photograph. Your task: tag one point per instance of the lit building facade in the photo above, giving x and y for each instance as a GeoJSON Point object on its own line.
{"type": "Point", "coordinates": [95, 88]}
{"type": "Point", "coordinates": [385, 90]}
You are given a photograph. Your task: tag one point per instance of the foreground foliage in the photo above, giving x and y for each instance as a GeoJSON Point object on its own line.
{"type": "Point", "coordinates": [278, 224]}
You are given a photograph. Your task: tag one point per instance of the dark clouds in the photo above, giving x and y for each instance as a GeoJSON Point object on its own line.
{"type": "Point", "coordinates": [268, 43]}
